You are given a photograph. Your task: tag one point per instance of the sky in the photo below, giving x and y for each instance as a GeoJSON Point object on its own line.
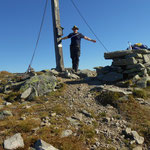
{"type": "Point", "coordinates": [115, 22]}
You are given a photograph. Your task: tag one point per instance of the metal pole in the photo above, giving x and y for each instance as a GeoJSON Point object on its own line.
{"type": "Point", "coordinates": [58, 32]}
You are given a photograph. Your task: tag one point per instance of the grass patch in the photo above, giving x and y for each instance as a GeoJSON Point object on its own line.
{"type": "Point", "coordinates": [140, 93]}
{"type": "Point", "coordinates": [111, 98]}
{"type": "Point", "coordinates": [138, 115]}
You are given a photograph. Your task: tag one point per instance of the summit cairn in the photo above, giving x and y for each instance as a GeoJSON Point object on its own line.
{"type": "Point", "coordinates": [126, 64]}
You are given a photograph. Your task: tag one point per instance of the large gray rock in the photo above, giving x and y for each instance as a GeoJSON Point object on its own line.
{"type": "Point", "coordinates": [146, 58]}
{"type": "Point", "coordinates": [111, 88]}
{"type": "Point", "coordinates": [39, 85]}
{"type": "Point", "coordinates": [117, 54]}
{"type": "Point", "coordinates": [141, 51]}
{"type": "Point", "coordinates": [135, 55]}
{"type": "Point", "coordinates": [111, 77]}
{"type": "Point", "coordinates": [143, 82]}
{"type": "Point", "coordinates": [14, 142]}
{"type": "Point", "coordinates": [135, 66]}
{"type": "Point", "coordinates": [85, 73]}
{"type": "Point", "coordinates": [41, 145]}
{"type": "Point", "coordinates": [124, 62]}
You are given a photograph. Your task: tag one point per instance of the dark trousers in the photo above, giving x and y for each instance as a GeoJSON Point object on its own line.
{"type": "Point", "coordinates": [75, 54]}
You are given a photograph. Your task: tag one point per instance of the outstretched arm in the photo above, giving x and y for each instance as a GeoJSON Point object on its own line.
{"type": "Point", "coordinates": [66, 37]}
{"type": "Point", "coordinates": [86, 38]}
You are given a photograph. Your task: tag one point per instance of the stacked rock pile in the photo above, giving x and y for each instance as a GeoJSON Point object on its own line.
{"type": "Point", "coordinates": [126, 64]}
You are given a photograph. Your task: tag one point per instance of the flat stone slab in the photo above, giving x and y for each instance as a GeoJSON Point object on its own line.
{"type": "Point", "coordinates": [113, 88]}
{"type": "Point", "coordinates": [117, 54]}
{"type": "Point", "coordinates": [122, 53]}
{"type": "Point", "coordinates": [124, 62]}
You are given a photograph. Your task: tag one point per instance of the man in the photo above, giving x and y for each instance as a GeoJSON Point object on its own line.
{"type": "Point", "coordinates": [75, 46]}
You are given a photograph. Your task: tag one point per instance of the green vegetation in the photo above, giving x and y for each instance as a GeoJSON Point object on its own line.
{"type": "Point", "coordinates": [140, 93]}
{"type": "Point", "coordinates": [111, 98]}
{"type": "Point", "coordinates": [137, 115]}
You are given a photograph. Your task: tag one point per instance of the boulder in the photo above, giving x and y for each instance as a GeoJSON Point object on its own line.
{"type": "Point", "coordinates": [111, 88]}
{"type": "Point", "coordinates": [14, 142]}
{"type": "Point", "coordinates": [135, 55]}
{"type": "Point", "coordinates": [141, 51]}
{"type": "Point", "coordinates": [111, 77]}
{"type": "Point", "coordinates": [38, 86]}
{"type": "Point", "coordinates": [86, 73]}
{"type": "Point", "coordinates": [117, 54]}
{"type": "Point", "coordinates": [124, 62]}
{"type": "Point", "coordinates": [42, 145]}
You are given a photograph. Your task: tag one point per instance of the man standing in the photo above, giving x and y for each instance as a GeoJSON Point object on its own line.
{"type": "Point", "coordinates": [75, 46]}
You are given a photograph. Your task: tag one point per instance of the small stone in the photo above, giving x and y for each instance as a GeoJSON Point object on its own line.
{"type": "Point", "coordinates": [7, 103]}
{"type": "Point", "coordinates": [106, 119]}
{"type": "Point", "coordinates": [14, 142]}
{"type": "Point", "coordinates": [53, 114]}
{"type": "Point", "coordinates": [96, 131]}
{"type": "Point", "coordinates": [128, 131]}
{"type": "Point", "coordinates": [139, 139]}
{"type": "Point", "coordinates": [23, 118]}
{"type": "Point", "coordinates": [66, 133]}
{"type": "Point", "coordinates": [87, 114]}
{"type": "Point", "coordinates": [26, 93]}
{"type": "Point", "coordinates": [7, 113]}
{"type": "Point", "coordinates": [42, 145]}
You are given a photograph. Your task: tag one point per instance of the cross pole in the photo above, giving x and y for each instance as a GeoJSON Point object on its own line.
{"type": "Point", "coordinates": [58, 32]}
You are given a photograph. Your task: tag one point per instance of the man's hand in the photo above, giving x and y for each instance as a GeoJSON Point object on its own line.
{"type": "Point", "coordinates": [93, 41]}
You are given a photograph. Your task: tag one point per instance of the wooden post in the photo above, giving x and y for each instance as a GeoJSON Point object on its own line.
{"type": "Point", "coordinates": [58, 32]}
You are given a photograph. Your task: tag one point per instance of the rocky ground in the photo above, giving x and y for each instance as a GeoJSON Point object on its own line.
{"type": "Point", "coordinates": [79, 114]}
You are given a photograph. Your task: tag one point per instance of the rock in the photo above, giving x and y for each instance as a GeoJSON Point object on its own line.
{"type": "Point", "coordinates": [117, 54]}
{"type": "Point", "coordinates": [146, 58]}
{"type": "Point", "coordinates": [106, 119]}
{"type": "Point", "coordinates": [86, 73]}
{"type": "Point", "coordinates": [135, 55]}
{"type": "Point", "coordinates": [111, 88]}
{"type": "Point", "coordinates": [123, 62]}
{"type": "Point", "coordinates": [111, 77]}
{"type": "Point", "coordinates": [53, 114]}
{"type": "Point", "coordinates": [87, 114]}
{"type": "Point", "coordinates": [74, 76]}
{"type": "Point", "coordinates": [26, 93]}
{"type": "Point", "coordinates": [40, 84]}
{"type": "Point", "coordinates": [7, 103]}
{"type": "Point", "coordinates": [78, 116]}
{"type": "Point", "coordinates": [73, 121]}
{"type": "Point", "coordinates": [138, 66]}
{"type": "Point", "coordinates": [42, 145]}
{"type": "Point", "coordinates": [138, 139]}
{"type": "Point", "coordinates": [138, 69]}
{"type": "Point", "coordinates": [7, 113]}
{"type": "Point", "coordinates": [14, 142]}
{"type": "Point", "coordinates": [143, 82]}
{"type": "Point", "coordinates": [55, 72]}
{"type": "Point", "coordinates": [141, 51]}
{"type": "Point", "coordinates": [66, 133]}
{"type": "Point", "coordinates": [128, 131]}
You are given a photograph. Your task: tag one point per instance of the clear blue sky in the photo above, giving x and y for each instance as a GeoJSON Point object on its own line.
{"type": "Point", "coordinates": [114, 21]}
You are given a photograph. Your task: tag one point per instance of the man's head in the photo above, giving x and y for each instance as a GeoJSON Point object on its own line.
{"type": "Point", "coordinates": [75, 29]}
